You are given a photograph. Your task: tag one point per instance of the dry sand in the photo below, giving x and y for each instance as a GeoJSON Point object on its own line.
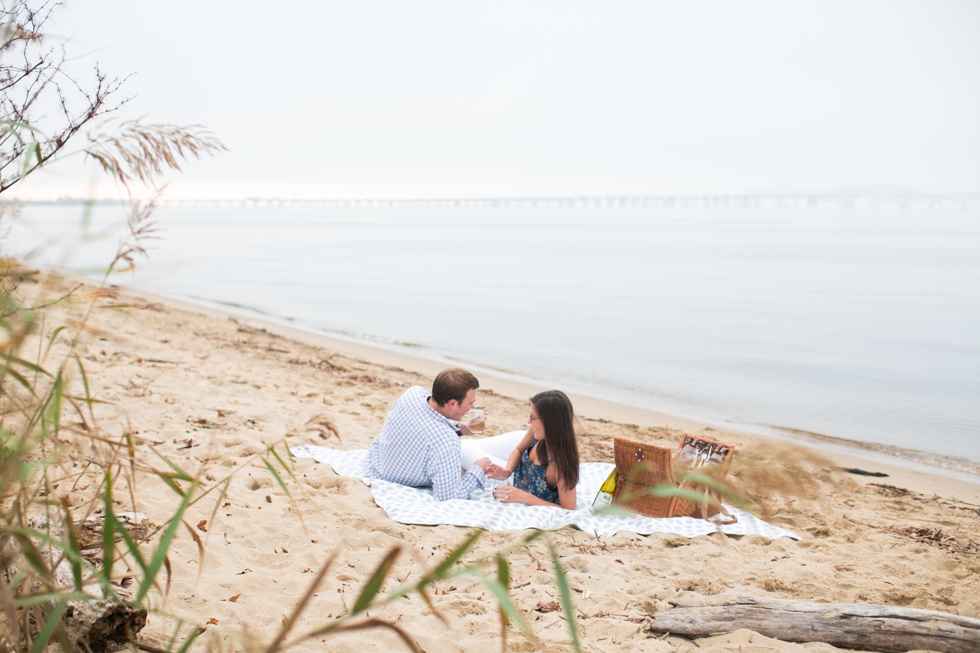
{"type": "Point", "coordinates": [209, 392]}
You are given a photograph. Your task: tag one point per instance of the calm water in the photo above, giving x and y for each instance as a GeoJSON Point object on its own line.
{"type": "Point", "coordinates": [860, 324]}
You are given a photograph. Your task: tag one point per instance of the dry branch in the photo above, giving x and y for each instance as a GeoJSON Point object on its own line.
{"type": "Point", "coordinates": [845, 625]}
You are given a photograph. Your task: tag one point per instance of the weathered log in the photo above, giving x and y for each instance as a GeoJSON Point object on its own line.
{"type": "Point", "coordinates": [98, 623]}
{"type": "Point", "coordinates": [103, 625]}
{"type": "Point", "coordinates": [845, 625]}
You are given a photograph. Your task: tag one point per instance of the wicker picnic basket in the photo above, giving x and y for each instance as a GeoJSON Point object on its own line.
{"type": "Point", "coordinates": [641, 467]}
{"type": "Point", "coordinates": [712, 458]}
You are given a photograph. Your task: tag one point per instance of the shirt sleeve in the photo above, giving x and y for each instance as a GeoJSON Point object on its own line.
{"type": "Point", "coordinates": [444, 469]}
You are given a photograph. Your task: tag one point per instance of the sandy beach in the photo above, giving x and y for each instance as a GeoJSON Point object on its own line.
{"type": "Point", "coordinates": [209, 392]}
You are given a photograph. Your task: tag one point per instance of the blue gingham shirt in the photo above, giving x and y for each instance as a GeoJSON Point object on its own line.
{"type": "Point", "coordinates": [419, 447]}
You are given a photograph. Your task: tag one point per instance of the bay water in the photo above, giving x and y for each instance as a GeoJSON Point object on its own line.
{"type": "Point", "coordinates": [856, 326]}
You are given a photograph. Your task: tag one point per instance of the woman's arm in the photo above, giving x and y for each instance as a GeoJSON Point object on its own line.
{"type": "Point", "coordinates": [513, 459]}
{"type": "Point", "coordinates": [510, 494]}
{"type": "Point", "coordinates": [567, 498]}
{"type": "Point", "coordinates": [515, 456]}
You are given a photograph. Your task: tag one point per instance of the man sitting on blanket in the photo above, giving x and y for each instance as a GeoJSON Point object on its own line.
{"type": "Point", "coordinates": [419, 443]}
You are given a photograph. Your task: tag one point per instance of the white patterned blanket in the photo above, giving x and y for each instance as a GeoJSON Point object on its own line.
{"type": "Point", "coordinates": [408, 505]}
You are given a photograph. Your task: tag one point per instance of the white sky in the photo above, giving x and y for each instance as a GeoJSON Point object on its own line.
{"type": "Point", "coordinates": [403, 98]}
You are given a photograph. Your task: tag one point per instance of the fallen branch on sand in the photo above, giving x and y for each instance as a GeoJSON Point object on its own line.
{"type": "Point", "coordinates": [846, 625]}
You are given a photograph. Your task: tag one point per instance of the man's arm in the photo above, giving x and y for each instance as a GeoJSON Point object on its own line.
{"type": "Point", "coordinates": [444, 468]}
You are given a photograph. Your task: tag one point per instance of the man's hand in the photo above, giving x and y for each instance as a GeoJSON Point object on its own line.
{"type": "Point", "coordinates": [484, 464]}
{"type": "Point", "coordinates": [478, 419]}
{"type": "Point", "coordinates": [498, 472]}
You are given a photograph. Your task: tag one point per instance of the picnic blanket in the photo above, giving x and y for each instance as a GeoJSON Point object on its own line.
{"type": "Point", "coordinates": [409, 505]}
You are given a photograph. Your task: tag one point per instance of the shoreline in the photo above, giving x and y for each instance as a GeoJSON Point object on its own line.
{"type": "Point", "coordinates": [912, 475]}
{"type": "Point", "coordinates": [705, 391]}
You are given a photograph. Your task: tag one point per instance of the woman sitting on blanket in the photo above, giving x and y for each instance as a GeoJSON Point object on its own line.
{"type": "Point", "coordinates": [543, 462]}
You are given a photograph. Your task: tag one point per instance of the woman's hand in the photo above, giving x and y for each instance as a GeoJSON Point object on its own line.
{"type": "Point", "coordinates": [511, 494]}
{"type": "Point", "coordinates": [497, 472]}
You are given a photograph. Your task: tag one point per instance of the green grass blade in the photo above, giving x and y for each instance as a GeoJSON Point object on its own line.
{"type": "Point", "coordinates": [534, 535]}
{"type": "Point", "coordinates": [50, 597]}
{"type": "Point", "coordinates": [53, 337]}
{"type": "Point", "coordinates": [283, 463]}
{"type": "Point", "coordinates": [298, 609]}
{"type": "Point", "coordinates": [454, 556]}
{"type": "Point", "coordinates": [33, 556]}
{"type": "Point", "coordinates": [614, 511]}
{"type": "Point", "coordinates": [508, 611]}
{"type": "Point", "coordinates": [19, 378]}
{"type": "Point", "coordinates": [51, 415]}
{"type": "Point", "coordinates": [219, 500]}
{"type": "Point", "coordinates": [108, 532]}
{"type": "Point", "coordinates": [373, 586]}
{"type": "Point", "coordinates": [171, 483]}
{"type": "Point", "coordinates": [29, 365]}
{"type": "Point", "coordinates": [503, 571]}
{"type": "Point", "coordinates": [131, 547]}
{"type": "Point", "coordinates": [338, 628]}
{"type": "Point", "coordinates": [163, 548]}
{"type": "Point", "coordinates": [75, 547]}
{"type": "Point", "coordinates": [195, 633]}
{"type": "Point", "coordinates": [275, 475]}
{"type": "Point", "coordinates": [566, 596]}
{"type": "Point", "coordinates": [85, 385]}
{"type": "Point", "coordinates": [503, 579]}
{"type": "Point", "coordinates": [178, 474]}
{"type": "Point", "coordinates": [442, 571]}
{"type": "Point", "coordinates": [33, 150]}
{"type": "Point", "coordinates": [71, 552]}
{"type": "Point", "coordinates": [51, 625]}
{"type": "Point", "coordinates": [15, 580]}
{"type": "Point", "coordinates": [719, 486]}
{"type": "Point", "coordinates": [175, 635]}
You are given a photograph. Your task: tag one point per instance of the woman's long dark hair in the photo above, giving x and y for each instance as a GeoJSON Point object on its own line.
{"type": "Point", "coordinates": [559, 446]}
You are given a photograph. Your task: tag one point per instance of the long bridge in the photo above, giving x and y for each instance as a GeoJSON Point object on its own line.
{"type": "Point", "coordinates": [774, 200]}
{"type": "Point", "coordinates": [846, 199]}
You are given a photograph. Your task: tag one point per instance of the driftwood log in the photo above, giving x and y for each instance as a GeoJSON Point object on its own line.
{"type": "Point", "coordinates": [98, 623]}
{"type": "Point", "coordinates": [845, 625]}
